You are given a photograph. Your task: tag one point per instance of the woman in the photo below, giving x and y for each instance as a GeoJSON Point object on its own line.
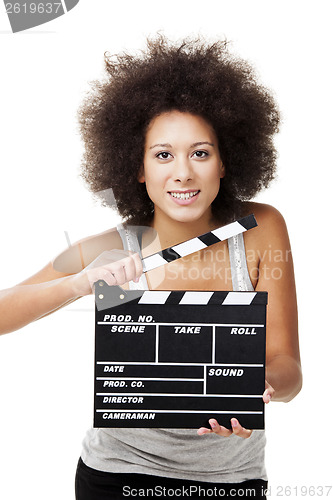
{"type": "Point", "coordinates": [182, 135]}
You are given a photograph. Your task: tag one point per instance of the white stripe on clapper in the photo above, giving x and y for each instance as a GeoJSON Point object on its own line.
{"type": "Point", "coordinates": [154, 394]}
{"type": "Point", "coordinates": [189, 246]}
{"type": "Point", "coordinates": [239, 298]}
{"type": "Point", "coordinates": [157, 339]}
{"type": "Point", "coordinates": [182, 411]}
{"type": "Point", "coordinates": [154, 296]}
{"type": "Point", "coordinates": [195, 298]}
{"type": "Point", "coordinates": [213, 345]}
{"type": "Point", "coordinates": [229, 230]}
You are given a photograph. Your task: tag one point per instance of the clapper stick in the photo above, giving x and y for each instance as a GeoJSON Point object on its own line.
{"type": "Point", "coordinates": [198, 243]}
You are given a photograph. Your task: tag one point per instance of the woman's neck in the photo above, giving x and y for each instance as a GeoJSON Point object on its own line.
{"type": "Point", "coordinates": [172, 232]}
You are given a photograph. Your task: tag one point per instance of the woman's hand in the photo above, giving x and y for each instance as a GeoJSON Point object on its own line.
{"type": "Point", "coordinates": [236, 427]}
{"type": "Point", "coordinates": [223, 431]}
{"type": "Point", "coordinates": [115, 267]}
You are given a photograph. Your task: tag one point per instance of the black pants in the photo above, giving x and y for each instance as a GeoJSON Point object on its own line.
{"type": "Point", "coordinates": [91, 484]}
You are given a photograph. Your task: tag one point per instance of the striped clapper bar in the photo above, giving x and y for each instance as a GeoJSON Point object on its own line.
{"type": "Point", "coordinates": [198, 243]}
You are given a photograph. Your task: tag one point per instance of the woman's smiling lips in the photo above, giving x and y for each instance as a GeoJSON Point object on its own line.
{"type": "Point", "coordinates": [185, 197]}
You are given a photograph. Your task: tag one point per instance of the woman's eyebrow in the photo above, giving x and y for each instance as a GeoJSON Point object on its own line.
{"type": "Point", "coordinates": [161, 145]}
{"type": "Point", "coordinates": [167, 145]}
{"type": "Point", "coordinates": [201, 143]}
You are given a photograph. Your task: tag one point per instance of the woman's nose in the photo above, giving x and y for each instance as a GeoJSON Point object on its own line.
{"type": "Point", "coordinates": [182, 169]}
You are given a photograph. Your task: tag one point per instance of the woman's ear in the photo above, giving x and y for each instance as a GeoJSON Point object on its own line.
{"type": "Point", "coordinates": [141, 175]}
{"type": "Point", "coordinates": [222, 171]}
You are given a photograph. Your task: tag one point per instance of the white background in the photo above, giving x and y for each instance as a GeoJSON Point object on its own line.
{"type": "Point", "coordinates": [46, 369]}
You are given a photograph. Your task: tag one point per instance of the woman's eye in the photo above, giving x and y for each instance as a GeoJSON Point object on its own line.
{"type": "Point", "coordinates": [200, 154]}
{"type": "Point", "coordinates": [164, 155]}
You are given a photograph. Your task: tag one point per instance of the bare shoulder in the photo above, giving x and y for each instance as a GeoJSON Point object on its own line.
{"type": "Point", "coordinates": [266, 215]}
{"type": "Point", "coordinates": [271, 228]}
{"type": "Point", "coordinates": [77, 256]}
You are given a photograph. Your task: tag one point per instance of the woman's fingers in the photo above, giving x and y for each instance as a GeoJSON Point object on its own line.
{"type": "Point", "coordinates": [115, 267]}
{"type": "Point", "coordinates": [127, 269]}
{"type": "Point", "coordinates": [239, 430]}
{"type": "Point", "coordinates": [216, 428]}
{"type": "Point", "coordinates": [138, 265]}
{"type": "Point", "coordinates": [219, 429]}
{"type": "Point", "coordinates": [269, 393]}
{"type": "Point", "coordinates": [118, 270]}
{"type": "Point", "coordinates": [223, 431]}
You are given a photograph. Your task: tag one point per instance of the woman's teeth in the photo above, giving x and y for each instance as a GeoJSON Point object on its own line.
{"type": "Point", "coordinates": [184, 196]}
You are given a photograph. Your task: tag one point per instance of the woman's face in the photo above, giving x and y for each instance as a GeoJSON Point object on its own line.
{"type": "Point", "coordinates": [182, 166]}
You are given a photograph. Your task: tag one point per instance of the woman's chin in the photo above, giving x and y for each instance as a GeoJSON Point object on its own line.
{"type": "Point", "coordinates": [190, 218]}
{"type": "Point", "coordinates": [182, 214]}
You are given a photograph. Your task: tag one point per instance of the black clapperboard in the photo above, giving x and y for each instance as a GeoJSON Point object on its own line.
{"type": "Point", "coordinates": [174, 359]}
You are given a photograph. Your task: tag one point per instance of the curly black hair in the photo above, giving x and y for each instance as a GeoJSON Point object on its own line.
{"type": "Point", "coordinates": [193, 76]}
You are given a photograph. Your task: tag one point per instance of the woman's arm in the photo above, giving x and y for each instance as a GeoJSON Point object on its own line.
{"type": "Point", "coordinates": [22, 304]}
{"type": "Point", "coordinates": [52, 288]}
{"type": "Point", "coordinates": [276, 276]}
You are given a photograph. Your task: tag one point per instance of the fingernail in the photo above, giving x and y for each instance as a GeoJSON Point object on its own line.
{"type": "Point", "coordinates": [234, 423]}
{"type": "Point", "coordinates": [213, 424]}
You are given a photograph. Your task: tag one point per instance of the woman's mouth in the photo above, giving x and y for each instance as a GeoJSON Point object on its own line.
{"type": "Point", "coordinates": [184, 197]}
